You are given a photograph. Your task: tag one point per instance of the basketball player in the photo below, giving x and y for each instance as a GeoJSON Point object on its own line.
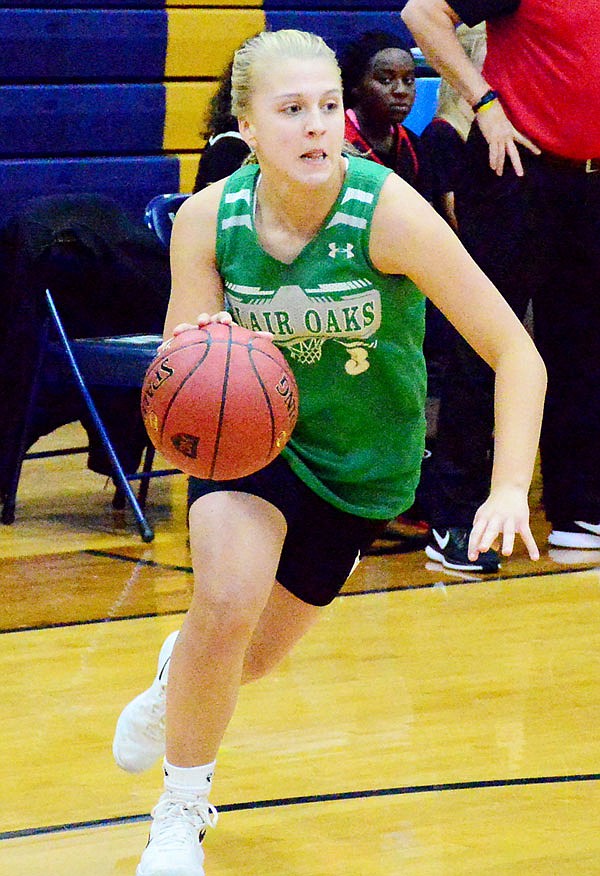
{"type": "Point", "coordinates": [326, 253]}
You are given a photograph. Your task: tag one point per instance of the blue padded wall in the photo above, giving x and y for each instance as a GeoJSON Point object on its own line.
{"type": "Point", "coordinates": [83, 81]}
{"type": "Point", "coordinates": [131, 181]}
{"type": "Point", "coordinates": [81, 120]}
{"type": "Point", "coordinates": [94, 93]}
{"type": "Point", "coordinates": [84, 4]}
{"type": "Point", "coordinates": [96, 45]}
{"type": "Point", "coordinates": [334, 5]}
{"type": "Point", "coordinates": [340, 27]}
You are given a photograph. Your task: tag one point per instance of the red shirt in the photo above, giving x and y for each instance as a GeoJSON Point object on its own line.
{"type": "Point", "coordinates": [544, 60]}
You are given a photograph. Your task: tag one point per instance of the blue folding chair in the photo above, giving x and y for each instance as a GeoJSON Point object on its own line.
{"type": "Point", "coordinates": [160, 213]}
{"type": "Point", "coordinates": [119, 361]}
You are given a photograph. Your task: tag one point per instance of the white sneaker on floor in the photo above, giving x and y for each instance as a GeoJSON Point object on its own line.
{"type": "Point", "coordinates": [175, 843]}
{"type": "Point", "coordinates": [575, 534]}
{"type": "Point", "coordinates": [140, 732]}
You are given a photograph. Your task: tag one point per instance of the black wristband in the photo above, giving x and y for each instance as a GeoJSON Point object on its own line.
{"type": "Point", "coordinates": [488, 97]}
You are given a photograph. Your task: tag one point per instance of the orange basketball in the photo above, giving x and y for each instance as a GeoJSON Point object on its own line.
{"type": "Point", "coordinates": [220, 402]}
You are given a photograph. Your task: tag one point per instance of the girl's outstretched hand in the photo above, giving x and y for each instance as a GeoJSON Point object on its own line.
{"type": "Point", "coordinates": [505, 513]}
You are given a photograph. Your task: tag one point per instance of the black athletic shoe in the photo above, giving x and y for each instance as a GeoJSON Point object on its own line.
{"type": "Point", "coordinates": [450, 547]}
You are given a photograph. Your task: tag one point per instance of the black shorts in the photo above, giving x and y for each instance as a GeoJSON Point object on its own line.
{"type": "Point", "coordinates": [322, 543]}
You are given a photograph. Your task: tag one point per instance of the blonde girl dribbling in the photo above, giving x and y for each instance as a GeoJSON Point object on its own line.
{"type": "Point", "coordinates": [328, 254]}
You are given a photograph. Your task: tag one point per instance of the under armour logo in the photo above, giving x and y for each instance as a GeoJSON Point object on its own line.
{"type": "Point", "coordinates": [334, 249]}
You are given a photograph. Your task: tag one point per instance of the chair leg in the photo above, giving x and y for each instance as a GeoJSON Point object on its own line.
{"type": "Point", "coordinates": [9, 498]}
{"type": "Point", "coordinates": [119, 501]}
{"type": "Point", "coordinates": [119, 476]}
{"type": "Point", "coordinates": [9, 505]}
{"type": "Point", "coordinates": [146, 475]}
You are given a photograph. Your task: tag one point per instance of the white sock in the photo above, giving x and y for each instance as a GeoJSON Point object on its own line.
{"type": "Point", "coordinates": [196, 780]}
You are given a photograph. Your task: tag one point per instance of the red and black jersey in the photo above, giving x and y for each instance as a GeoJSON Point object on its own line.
{"type": "Point", "coordinates": [408, 159]}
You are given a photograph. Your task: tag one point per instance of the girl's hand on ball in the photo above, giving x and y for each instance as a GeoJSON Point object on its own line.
{"type": "Point", "coordinates": [205, 319]}
{"type": "Point", "coordinates": [222, 317]}
{"type": "Point", "coordinates": [178, 330]}
{"type": "Point", "coordinates": [226, 319]}
{"type": "Point", "coordinates": [183, 327]}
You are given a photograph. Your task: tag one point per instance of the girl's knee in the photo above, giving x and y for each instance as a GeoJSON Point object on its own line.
{"type": "Point", "coordinates": [257, 663]}
{"type": "Point", "coordinates": [226, 611]}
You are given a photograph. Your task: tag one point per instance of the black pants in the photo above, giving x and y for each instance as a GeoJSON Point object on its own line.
{"type": "Point", "coordinates": [538, 239]}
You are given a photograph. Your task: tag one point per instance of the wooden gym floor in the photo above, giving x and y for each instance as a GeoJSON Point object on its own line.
{"type": "Point", "coordinates": [432, 724]}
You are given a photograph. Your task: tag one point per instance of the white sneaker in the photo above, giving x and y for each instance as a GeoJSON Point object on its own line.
{"type": "Point", "coordinates": [575, 534]}
{"type": "Point", "coordinates": [140, 732]}
{"type": "Point", "coordinates": [175, 843]}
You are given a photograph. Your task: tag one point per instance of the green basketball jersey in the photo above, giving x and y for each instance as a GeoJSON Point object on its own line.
{"type": "Point", "coordinates": [352, 335]}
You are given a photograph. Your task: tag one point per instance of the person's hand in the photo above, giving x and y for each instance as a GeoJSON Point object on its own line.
{"type": "Point", "coordinates": [505, 513]}
{"type": "Point", "coordinates": [203, 319]}
{"type": "Point", "coordinates": [222, 317]}
{"type": "Point", "coordinates": [502, 138]}
{"type": "Point", "coordinates": [206, 319]}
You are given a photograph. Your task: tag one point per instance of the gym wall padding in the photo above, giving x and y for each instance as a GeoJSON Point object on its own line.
{"type": "Point", "coordinates": [338, 27]}
{"type": "Point", "coordinates": [109, 99]}
{"type": "Point", "coordinates": [130, 181]}
{"type": "Point", "coordinates": [95, 45]}
{"type": "Point", "coordinates": [202, 41]}
{"type": "Point", "coordinates": [110, 96]}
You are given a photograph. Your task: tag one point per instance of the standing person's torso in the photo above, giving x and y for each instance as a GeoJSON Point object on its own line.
{"type": "Point", "coordinates": [544, 59]}
{"type": "Point", "coordinates": [352, 335]}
